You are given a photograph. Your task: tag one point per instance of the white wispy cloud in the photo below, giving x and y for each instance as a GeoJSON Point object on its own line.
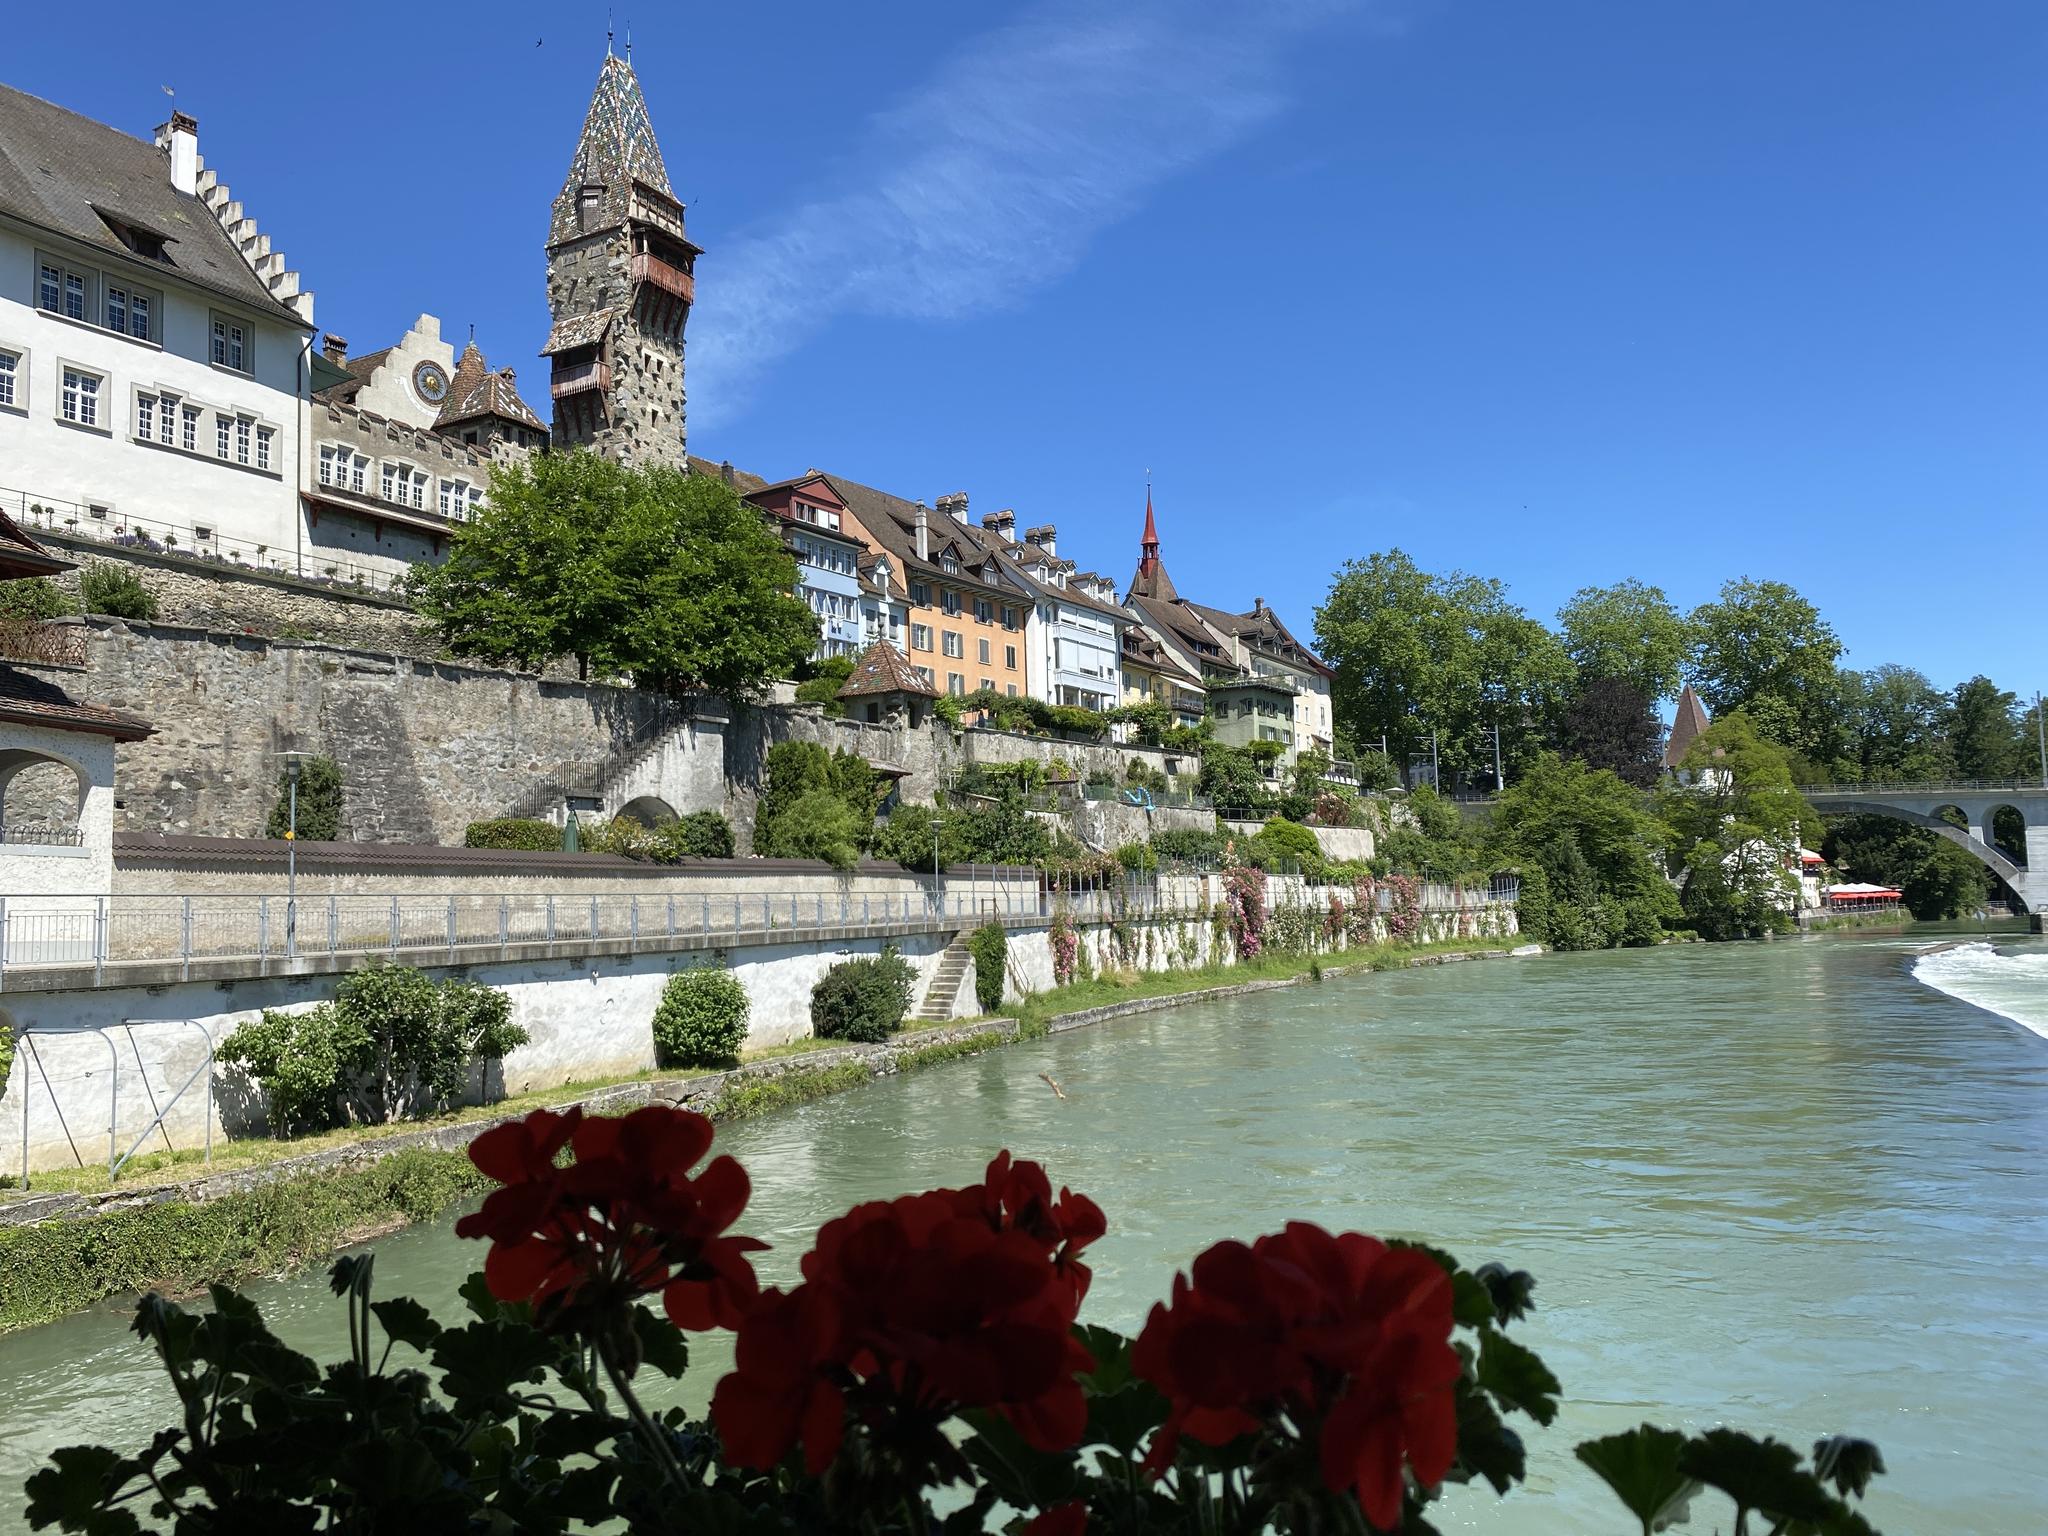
{"type": "Point", "coordinates": [989, 178]}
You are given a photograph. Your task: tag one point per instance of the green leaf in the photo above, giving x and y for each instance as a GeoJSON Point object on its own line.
{"type": "Point", "coordinates": [1517, 1376]}
{"type": "Point", "coordinates": [1020, 1476]}
{"type": "Point", "coordinates": [73, 1491]}
{"type": "Point", "coordinates": [408, 1322]}
{"type": "Point", "coordinates": [483, 1362]}
{"type": "Point", "coordinates": [1112, 1352]}
{"type": "Point", "coordinates": [662, 1344]}
{"type": "Point", "coordinates": [1641, 1465]}
{"type": "Point", "coordinates": [1471, 1303]}
{"type": "Point", "coordinates": [1847, 1462]}
{"type": "Point", "coordinates": [1512, 1290]}
{"type": "Point", "coordinates": [347, 1275]}
{"type": "Point", "coordinates": [1763, 1475]}
{"type": "Point", "coordinates": [1486, 1446]}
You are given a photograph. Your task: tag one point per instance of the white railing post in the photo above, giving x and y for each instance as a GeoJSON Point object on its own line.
{"type": "Point", "coordinates": [396, 923]}
{"type": "Point", "coordinates": [551, 922]}
{"type": "Point", "coordinates": [504, 923]}
{"type": "Point", "coordinates": [99, 937]}
{"type": "Point", "coordinates": [451, 928]}
{"type": "Point", "coordinates": [333, 925]}
{"type": "Point", "coordinates": [185, 937]}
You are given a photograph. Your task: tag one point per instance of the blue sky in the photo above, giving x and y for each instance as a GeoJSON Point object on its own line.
{"type": "Point", "coordinates": [1560, 293]}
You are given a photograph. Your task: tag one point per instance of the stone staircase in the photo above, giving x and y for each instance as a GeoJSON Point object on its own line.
{"type": "Point", "coordinates": [955, 966]}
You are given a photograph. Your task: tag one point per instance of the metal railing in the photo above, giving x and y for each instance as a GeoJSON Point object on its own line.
{"type": "Point", "coordinates": [1139, 795]}
{"type": "Point", "coordinates": [1924, 787]}
{"type": "Point", "coordinates": [40, 835]}
{"type": "Point", "coordinates": [52, 515]}
{"type": "Point", "coordinates": [45, 931]}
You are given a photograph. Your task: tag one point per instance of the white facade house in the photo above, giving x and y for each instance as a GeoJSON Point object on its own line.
{"type": "Point", "coordinates": [154, 352]}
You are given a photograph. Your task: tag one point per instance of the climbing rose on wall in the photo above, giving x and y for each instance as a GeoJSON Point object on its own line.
{"type": "Point", "coordinates": [1341, 1339]}
{"type": "Point", "coordinates": [1244, 898]}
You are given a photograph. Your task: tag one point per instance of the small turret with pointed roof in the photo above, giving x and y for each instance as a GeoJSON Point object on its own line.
{"type": "Point", "coordinates": [621, 280]}
{"type": "Point", "coordinates": [1151, 579]}
{"type": "Point", "coordinates": [1687, 724]}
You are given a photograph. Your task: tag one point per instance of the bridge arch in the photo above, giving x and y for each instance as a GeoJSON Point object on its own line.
{"type": "Point", "coordinates": [1963, 835]}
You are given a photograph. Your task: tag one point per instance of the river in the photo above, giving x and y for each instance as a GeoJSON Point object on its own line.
{"type": "Point", "coordinates": [1783, 1185]}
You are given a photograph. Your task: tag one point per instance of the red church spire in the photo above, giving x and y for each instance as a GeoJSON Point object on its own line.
{"type": "Point", "coordinates": [1148, 547]}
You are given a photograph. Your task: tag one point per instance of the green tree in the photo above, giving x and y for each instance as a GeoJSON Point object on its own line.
{"type": "Point", "coordinates": [1763, 649]}
{"type": "Point", "coordinates": [320, 802]}
{"type": "Point", "coordinates": [701, 1020]}
{"type": "Point", "coordinates": [667, 578]}
{"type": "Point", "coordinates": [1982, 724]}
{"type": "Point", "coordinates": [819, 825]}
{"type": "Point", "coordinates": [104, 587]}
{"type": "Point", "coordinates": [1416, 653]}
{"type": "Point", "coordinates": [1737, 825]}
{"type": "Point", "coordinates": [36, 598]}
{"type": "Point", "coordinates": [1628, 631]}
{"type": "Point", "coordinates": [1599, 847]}
{"type": "Point", "coordinates": [1893, 723]}
{"type": "Point", "coordinates": [822, 687]}
{"type": "Point", "coordinates": [1948, 883]}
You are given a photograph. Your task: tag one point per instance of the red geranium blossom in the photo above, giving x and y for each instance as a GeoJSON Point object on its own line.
{"type": "Point", "coordinates": [1069, 1519]}
{"type": "Point", "coordinates": [624, 1219]}
{"type": "Point", "coordinates": [1340, 1336]}
{"type": "Point", "coordinates": [911, 1310]}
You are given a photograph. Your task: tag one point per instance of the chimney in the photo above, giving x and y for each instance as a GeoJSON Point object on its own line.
{"type": "Point", "coordinates": [509, 377]}
{"type": "Point", "coordinates": [1043, 536]}
{"type": "Point", "coordinates": [1258, 607]}
{"type": "Point", "coordinates": [924, 533]}
{"type": "Point", "coordinates": [954, 506]}
{"type": "Point", "coordinates": [725, 470]}
{"type": "Point", "coordinates": [181, 136]}
{"type": "Point", "coordinates": [1002, 524]}
{"type": "Point", "coordinates": [334, 347]}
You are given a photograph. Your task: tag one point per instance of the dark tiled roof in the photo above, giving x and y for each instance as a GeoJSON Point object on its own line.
{"type": "Point", "coordinates": [1686, 726]}
{"type": "Point", "coordinates": [21, 555]}
{"type": "Point", "coordinates": [359, 371]}
{"type": "Point", "coordinates": [26, 699]}
{"type": "Point", "coordinates": [1145, 651]}
{"type": "Point", "coordinates": [884, 669]}
{"type": "Point", "coordinates": [572, 331]}
{"type": "Point", "coordinates": [58, 169]}
{"type": "Point", "coordinates": [476, 391]}
{"type": "Point", "coordinates": [742, 482]}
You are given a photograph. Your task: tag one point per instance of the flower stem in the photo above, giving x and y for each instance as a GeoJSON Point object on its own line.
{"type": "Point", "coordinates": [656, 1438]}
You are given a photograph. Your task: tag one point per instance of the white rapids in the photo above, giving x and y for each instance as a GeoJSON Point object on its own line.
{"type": "Point", "coordinates": [2012, 985]}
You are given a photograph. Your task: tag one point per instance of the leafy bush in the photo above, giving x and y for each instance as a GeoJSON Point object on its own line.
{"type": "Point", "coordinates": [862, 1000]}
{"type": "Point", "coordinates": [524, 833]}
{"type": "Point", "coordinates": [1187, 845]}
{"type": "Point", "coordinates": [702, 1019]}
{"type": "Point", "coordinates": [819, 826]}
{"type": "Point", "coordinates": [699, 835]}
{"type": "Point", "coordinates": [1002, 833]}
{"type": "Point", "coordinates": [392, 1043]}
{"type": "Point", "coordinates": [823, 685]}
{"type": "Point", "coordinates": [320, 800]}
{"type": "Point", "coordinates": [114, 590]}
{"type": "Point", "coordinates": [36, 598]}
{"type": "Point", "coordinates": [991, 950]}
{"type": "Point", "coordinates": [1376, 771]}
{"type": "Point", "coordinates": [1284, 847]}
{"type": "Point", "coordinates": [1137, 857]}
{"type": "Point", "coordinates": [1233, 778]}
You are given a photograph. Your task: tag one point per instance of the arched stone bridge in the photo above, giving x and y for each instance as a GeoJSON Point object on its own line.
{"type": "Point", "coordinates": [1979, 801]}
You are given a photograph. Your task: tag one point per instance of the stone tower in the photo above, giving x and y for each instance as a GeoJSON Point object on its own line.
{"type": "Point", "coordinates": [621, 278]}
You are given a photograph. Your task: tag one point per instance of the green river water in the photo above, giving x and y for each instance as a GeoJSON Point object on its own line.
{"type": "Point", "coordinates": [1785, 1185]}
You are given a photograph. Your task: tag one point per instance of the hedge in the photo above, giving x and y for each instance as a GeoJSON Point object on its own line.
{"type": "Point", "coordinates": [991, 950]}
{"type": "Point", "coordinates": [526, 834]}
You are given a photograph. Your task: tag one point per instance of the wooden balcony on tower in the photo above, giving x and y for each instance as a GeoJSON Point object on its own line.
{"type": "Point", "coordinates": [669, 279]}
{"type": "Point", "coordinates": [575, 378]}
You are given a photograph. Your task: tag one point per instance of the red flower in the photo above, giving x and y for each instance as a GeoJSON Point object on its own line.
{"type": "Point", "coordinates": [1341, 1336]}
{"type": "Point", "coordinates": [1069, 1519]}
{"type": "Point", "coordinates": [625, 1219]}
{"type": "Point", "coordinates": [911, 1310]}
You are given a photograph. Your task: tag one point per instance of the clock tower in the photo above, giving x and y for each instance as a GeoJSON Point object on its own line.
{"type": "Point", "coordinates": [621, 279]}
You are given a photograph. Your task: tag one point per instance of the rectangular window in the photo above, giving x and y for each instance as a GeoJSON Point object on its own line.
{"type": "Point", "coordinates": [955, 684]}
{"type": "Point", "coordinates": [333, 464]}
{"type": "Point", "coordinates": [243, 427]}
{"type": "Point", "coordinates": [1009, 618]}
{"type": "Point", "coordinates": [387, 482]}
{"type": "Point", "coordinates": [982, 655]}
{"type": "Point", "coordinates": [263, 436]}
{"type": "Point", "coordinates": [920, 595]}
{"type": "Point", "coordinates": [145, 417]}
{"type": "Point", "coordinates": [989, 683]}
{"type": "Point", "coordinates": [984, 610]}
{"type": "Point", "coordinates": [949, 602]}
{"type": "Point", "coordinates": [920, 637]}
{"type": "Point", "coordinates": [74, 295]}
{"type": "Point", "coordinates": [925, 673]}
{"type": "Point", "coordinates": [452, 499]}
{"type": "Point", "coordinates": [167, 419]}
{"type": "Point", "coordinates": [189, 424]}
{"type": "Point", "coordinates": [117, 309]}
{"type": "Point", "coordinates": [223, 431]}
{"type": "Point", "coordinates": [1013, 690]}
{"type": "Point", "coordinates": [954, 646]}
{"type": "Point", "coordinates": [138, 315]}
{"type": "Point", "coordinates": [476, 499]}
{"type": "Point", "coordinates": [1010, 657]}
{"type": "Point", "coordinates": [49, 288]}
{"type": "Point", "coordinates": [230, 345]}
{"type": "Point", "coordinates": [81, 398]}
{"type": "Point", "coordinates": [358, 467]}
{"type": "Point", "coordinates": [10, 365]}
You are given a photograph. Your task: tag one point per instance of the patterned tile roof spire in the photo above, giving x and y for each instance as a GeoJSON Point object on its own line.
{"type": "Point", "coordinates": [1151, 579]}
{"type": "Point", "coordinates": [617, 148]}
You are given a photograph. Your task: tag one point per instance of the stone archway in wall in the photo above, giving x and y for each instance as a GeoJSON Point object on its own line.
{"type": "Point", "coordinates": [42, 797]}
{"type": "Point", "coordinates": [650, 811]}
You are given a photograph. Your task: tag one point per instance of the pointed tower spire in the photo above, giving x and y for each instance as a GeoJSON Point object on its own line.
{"type": "Point", "coordinates": [1151, 580]}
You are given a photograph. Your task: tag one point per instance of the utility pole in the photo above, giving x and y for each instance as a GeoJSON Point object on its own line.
{"type": "Point", "coordinates": [2041, 736]}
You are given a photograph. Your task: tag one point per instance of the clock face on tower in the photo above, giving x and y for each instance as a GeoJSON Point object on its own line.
{"type": "Point", "coordinates": [430, 383]}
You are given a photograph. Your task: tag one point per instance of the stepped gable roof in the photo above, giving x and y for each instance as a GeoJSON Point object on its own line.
{"type": "Point", "coordinates": [616, 149]}
{"type": "Point", "coordinates": [477, 391]}
{"type": "Point", "coordinates": [26, 699]}
{"type": "Point", "coordinates": [22, 556]}
{"type": "Point", "coordinates": [64, 172]}
{"type": "Point", "coordinates": [884, 669]}
{"type": "Point", "coordinates": [1686, 726]}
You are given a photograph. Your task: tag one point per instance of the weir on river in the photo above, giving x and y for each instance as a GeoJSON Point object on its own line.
{"type": "Point", "coordinates": [1785, 1186]}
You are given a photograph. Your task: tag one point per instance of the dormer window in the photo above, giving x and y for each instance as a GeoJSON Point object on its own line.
{"type": "Point", "coordinates": [949, 561]}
